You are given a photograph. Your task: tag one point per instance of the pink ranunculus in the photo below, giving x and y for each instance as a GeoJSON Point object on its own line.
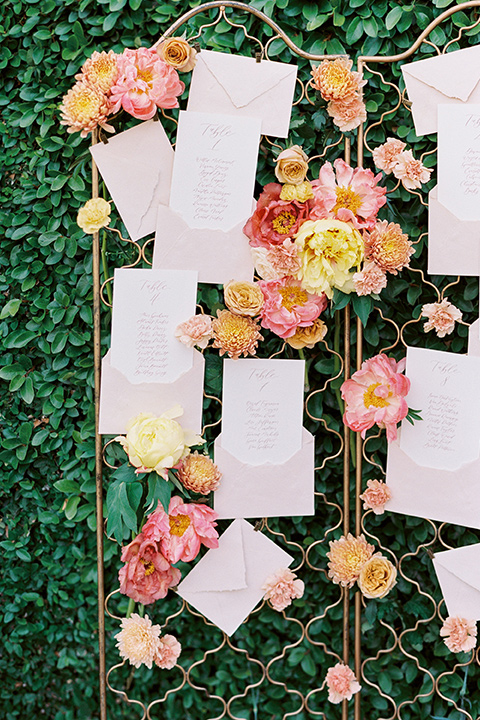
{"type": "Point", "coordinates": [347, 194]}
{"type": "Point", "coordinates": [441, 317]}
{"type": "Point", "coordinates": [385, 156]}
{"type": "Point", "coordinates": [197, 330]}
{"type": "Point", "coordinates": [146, 575]}
{"type": "Point", "coordinates": [460, 634]}
{"type": "Point", "coordinates": [282, 587]}
{"type": "Point", "coordinates": [347, 114]}
{"type": "Point", "coordinates": [375, 394]}
{"type": "Point", "coordinates": [341, 683]}
{"type": "Point", "coordinates": [288, 306]}
{"type": "Point", "coordinates": [274, 220]}
{"type": "Point", "coordinates": [182, 532]}
{"type": "Point", "coordinates": [167, 653]}
{"type": "Point", "coordinates": [410, 171]}
{"type": "Point", "coordinates": [375, 496]}
{"type": "Point", "coordinates": [144, 83]}
{"type": "Point", "coordinates": [371, 279]}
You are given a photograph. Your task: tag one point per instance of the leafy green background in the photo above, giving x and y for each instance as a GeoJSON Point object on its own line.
{"type": "Point", "coordinates": [48, 569]}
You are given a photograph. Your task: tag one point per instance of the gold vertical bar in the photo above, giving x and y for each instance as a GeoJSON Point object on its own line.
{"type": "Point", "coordinates": [97, 357]}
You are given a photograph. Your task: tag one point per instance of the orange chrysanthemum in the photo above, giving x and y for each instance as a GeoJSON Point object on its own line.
{"type": "Point", "coordinates": [335, 80]}
{"type": "Point", "coordinates": [388, 247]}
{"type": "Point", "coordinates": [347, 557]}
{"type": "Point", "coordinates": [199, 473]}
{"type": "Point", "coordinates": [100, 70]}
{"type": "Point", "coordinates": [85, 107]}
{"type": "Point", "coordinates": [235, 334]}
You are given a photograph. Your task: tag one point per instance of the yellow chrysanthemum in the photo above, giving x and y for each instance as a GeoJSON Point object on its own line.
{"type": "Point", "coordinates": [235, 334]}
{"type": "Point", "coordinates": [85, 107]}
{"type": "Point", "coordinates": [199, 473]}
{"type": "Point", "coordinates": [347, 556]}
{"type": "Point", "coordinates": [100, 70]}
{"type": "Point", "coordinates": [388, 247]}
{"type": "Point", "coordinates": [94, 215]}
{"type": "Point", "coordinates": [138, 640]}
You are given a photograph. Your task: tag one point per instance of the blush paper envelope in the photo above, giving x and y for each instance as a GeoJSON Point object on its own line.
{"type": "Point", "coordinates": [218, 256]}
{"type": "Point", "coordinates": [474, 338]}
{"type": "Point", "coordinates": [441, 80]}
{"type": "Point", "coordinates": [121, 400]}
{"type": "Point", "coordinates": [453, 244]}
{"type": "Point", "coordinates": [137, 168]}
{"type": "Point", "coordinates": [226, 584]}
{"type": "Point", "coordinates": [238, 85]}
{"type": "Point", "coordinates": [458, 572]}
{"type": "Point", "coordinates": [266, 490]}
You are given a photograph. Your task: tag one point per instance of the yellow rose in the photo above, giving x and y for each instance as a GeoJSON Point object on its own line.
{"type": "Point", "coordinates": [94, 215]}
{"type": "Point", "coordinates": [157, 443]}
{"type": "Point", "coordinates": [243, 298]}
{"type": "Point", "coordinates": [377, 577]}
{"type": "Point", "coordinates": [177, 53]}
{"type": "Point", "coordinates": [301, 192]}
{"type": "Point", "coordinates": [292, 166]}
{"type": "Point", "coordinates": [308, 336]}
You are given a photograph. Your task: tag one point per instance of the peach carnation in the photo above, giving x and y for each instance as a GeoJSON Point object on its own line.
{"type": "Point", "coordinates": [235, 335]}
{"type": "Point", "coordinates": [195, 331]}
{"type": "Point", "coordinates": [137, 641]}
{"type": "Point", "coordinates": [84, 108]}
{"type": "Point", "coordinates": [441, 317]}
{"type": "Point", "coordinates": [335, 80]}
{"type": "Point", "coordinates": [388, 247]}
{"type": "Point", "coordinates": [371, 279]}
{"type": "Point", "coordinates": [198, 473]}
{"type": "Point", "coordinates": [460, 634]}
{"type": "Point", "coordinates": [375, 496]}
{"type": "Point", "coordinates": [243, 297]}
{"type": "Point", "coordinates": [94, 215]}
{"type": "Point", "coordinates": [411, 172]}
{"type": "Point", "coordinates": [282, 587]}
{"type": "Point", "coordinates": [385, 156]}
{"type": "Point", "coordinates": [347, 115]}
{"type": "Point", "coordinates": [167, 653]}
{"type": "Point", "coordinates": [307, 337]}
{"type": "Point", "coordinates": [100, 70]}
{"type": "Point", "coordinates": [347, 556]}
{"type": "Point", "coordinates": [341, 683]}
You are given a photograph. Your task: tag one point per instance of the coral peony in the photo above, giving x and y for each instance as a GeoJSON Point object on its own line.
{"type": "Point", "coordinates": [411, 172]}
{"type": "Point", "coordinates": [346, 557]}
{"type": "Point", "coordinates": [375, 496]}
{"type": "Point", "coordinates": [167, 653]}
{"type": "Point", "coordinates": [292, 166]}
{"type": "Point", "coordinates": [182, 532]}
{"type": "Point", "coordinates": [335, 80]}
{"type": "Point", "coordinates": [385, 156]}
{"type": "Point", "coordinates": [146, 575]}
{"type": "Point", "coordinates": [235, 334]}
{"type": "Point", "coordinates": [341, 683]}
{"type": "Point", "coordinates": [441, 317]}
{"type": "Point", "coordinates": [377, 577]}
{"type": "Point", "coordinates": [197, 330]}
{"type": "Point", "coordinates": [288, 306]}
{"type": "Point", "coordinates": [84, 108]}
{"type": "Point", "coordinates": [243, 298]}
{"type": "Point", "coordinates": [371, 279]}
{"type": "Point", "coordinates": [460, 634]}
{"type": "Point", "coordinates": [347, 115]}
{"type": "Point", "coordinates": [101, 70]}
{"type": "Point", "coordinates": [273, 219]}
{"type": "Point", "coordinates": [375, 394]}
{"type": "Point", "coordinates": [388, 247]}
{"type": "Point", "coordinates": [307, 337]}
{"type": "Point", "coordinates": [138, 640]}
{"type": "Point", "coordinates": [94, 215]}
{"type": "Point", "coordinates": [282, 587]}
{"type": "Point", "coordinates": [177, 53]}
{"type": "Point", "coordinates": [198, 473]}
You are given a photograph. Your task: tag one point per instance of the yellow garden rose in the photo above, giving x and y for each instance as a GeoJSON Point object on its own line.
{"type": "Point", "coordinates": [377, 577]}
{"type": "Point", "coordinates": [157, 443]}
{"type": "Point", "coordinates": [301, 192]}
{"type": "Point", "coordinates": [328, 250]}
{"type": "Point", "coordinates": [307, 337]}
{"type": "Point", "coordinates": [243, 297]}
{"type": "Point", "coordinates": [292, 166]}
{"type": "Point", "coordinates": [94, 215]}
{"type": "Point", "coordinates": [177, 53]}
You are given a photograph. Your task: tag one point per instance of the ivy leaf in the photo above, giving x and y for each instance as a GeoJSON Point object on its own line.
{"type": "Point", "coordinates": [159, 489]}
{"type": "Point", "coordinates": [125, 473]}
{"type": "Point", "coordinates": [362, 306]}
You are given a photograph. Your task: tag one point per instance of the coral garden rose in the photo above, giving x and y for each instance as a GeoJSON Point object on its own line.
{"type": "Point", "coordinates": [235, 335]}
{"type": "Point", "coordinates": [138, 639]}
{"type": "Point", "coordinates": [375, 496]}
{"type": "Point", "coordinates": [199, 474]}
{"type": "Point", "coordinates": [335, 80]}
{"type": "Point", "coordinates": [147, 574]}
{"type": "Point", "coordinates": [377, 577]}
{"type": "Point", "coordinates": [346, 558]}
{"type": "Point", "coordinates": [288, 306]}
{"type": "Point", "coordinates": [388, 247]}
{"type": "Point", "coordinates": [94, 215]}
{"type": "Point", "coordinates": [274, 220]}
{"type": "Point", "coordinates": [177, 53]}
{"type": "Point", "coordinates": [341, 683]}
{"type": "Point", "coordinates": [385, 156]}
{"type": "Point", "coordinates": [375, 395]}
{"type": "Point", "coordinates": [167, 652]}
{"type": "Point", "coordinates": [84, 108]}
{"type": "Point", "coordinates": [197, 330]}
{"type": "Point", "coordinates": [441, 317]}
{"type": "Point", "coordinates": [243, 297]}
{"type": "Point", "coordinates": [282, 587]}
{"type": "Point", "coordinates": [460, 634]}
{"type": "Point", "coordinates": [307, 337]}
{"type": "Point", "coordinates": [292, 166]}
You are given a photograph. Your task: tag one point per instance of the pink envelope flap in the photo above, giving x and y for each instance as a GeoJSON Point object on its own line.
{"type": "Point", "coordinates": [474, 338]}
{"type": "Point", "coordinates": [454, 74]}
{"type": "Point", "coordinates": [454, 244]}
{"type": "Point", "coordinates": [120, 400]}
{"type": "Point", "coordinates": [463, 563]}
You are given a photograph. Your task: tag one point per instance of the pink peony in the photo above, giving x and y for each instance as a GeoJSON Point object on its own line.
{"type": "Point", "coordinates": [288, 306]}
{"type": "Point", "coordinates": [385, 156]}
{"type": "Point", "coordinates": [144, 83]}
{"type": "Point", "coordinates": [441, 317]}
{"type": "Point", "coordinates": [195, 331]}
{"type": "Point", "coordinates": [146, 575]}
{"type": "Point", "coordinates": [182, 532]}
{"type": "Point", "coordinates": [167, 653]}
{"type": "Point", "coordinates": [375, 496]}
{"type": "Point", "coordinates": [274, 220]}
{"type": "Point", "coordinates": [375, 394]}
{"type": "Point", "coordinates": [371, 279]}
{"type": "Point", "coordinates": [282, 587]}
{"type": "Point", "coordinates": [341, 683]}
{"type": "Point", "coordinates": [347, 115]}
{"type": "Point", "coordinates": [411, 172]}
{"type": "Point", "coordinates": [347, 194]}
{"type": "Point", "coordinates": [460, 634]}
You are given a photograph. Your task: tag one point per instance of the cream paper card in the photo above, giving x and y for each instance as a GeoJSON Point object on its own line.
{"type": "Point", "coordinates": [458, 572]}
{"type": "Point", "coordinates": [136, 166]}
{"type": "Point", "coordinates": [459, 160]}
{"type": "Point", "coordinates": [241, 86]}
{"type": "Point", "coordinates": [446, 390]}
{"type": "Point", "coordinates": [214, 169]}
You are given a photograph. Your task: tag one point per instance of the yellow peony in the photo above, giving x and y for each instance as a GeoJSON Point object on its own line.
{"type": "Point", "coordinates": [301, 192]}
{"type": "Point", "coordinates": [377, 577]}
{"type": "Point", "coordinates": [328, 250]}
{"type": "Point", "coordinates": [94, 215]}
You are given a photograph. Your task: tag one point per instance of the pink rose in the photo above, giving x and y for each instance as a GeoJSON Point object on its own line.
{"type": "Point", "coordinates": [146, 575]}
{"type": "Point", "coordinates": [274, 220]}
{"type": "Point", "coordinates": [288, 306]}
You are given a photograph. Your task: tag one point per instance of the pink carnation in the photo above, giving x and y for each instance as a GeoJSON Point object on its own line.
{"type": "Point", "coordinates": [195, 331]}
{"type": "Point", "coordinates": [441, 317]}
{"type": "Point", "coordinates": [460, 634]}
{"type": "Point", "coordinates": [182, 532]}
{"type": "Point", "coordinates": [347, 115]}
{"type": "Point", "coordinates": [282, 587]}
{"type": "Point", "coordinates": [371, 279]}
{"type": "Point", "coordinates": [277, 261]}
{"type": "Point", "coordinates": [167, 652]}
{"type": "Point", "coordinates": [375, 496]}
{"type": "Point", "coordinates": [146, 575]}
{"type": "Point", "coordinates": [288, 306]}
{"type": "Point", "coordinates": [375, 394]}
{"type": "Point", "coordinates": [274, 220]}
{"type": "Point", "coordinates": [144, 83]}
{"type": "Point", "coordinates": [347, 194]}
{"type": "Point", "coordinates": [385, 156]}
{"type": "Point", "coordinates": [341, 683]}
{"type": "Point", "coordinates": [411, 172]}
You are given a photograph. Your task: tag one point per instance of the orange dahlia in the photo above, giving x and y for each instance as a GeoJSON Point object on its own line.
{"type": "Point", "coordinates": [85, 107]}
{"type": "Point", "coordinates": [100, 70]}
{"type": "Point", "coordinates": [335, 80]}
{"type": "Point", "coordinates": [235, 334]}
{"type": "Point", "coordinates": [388, 247]}
{"type": "Point", "coordinates": [199, 473]}
{"type": "Point", "coordinates": [347, 557]}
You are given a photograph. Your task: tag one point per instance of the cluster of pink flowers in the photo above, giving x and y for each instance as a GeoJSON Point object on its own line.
{"type": "Point", "coordinates": [341, 87]}
{"type": "Point", "coordinates": [165, 539]}
{"type": "Point", "coordinates": [282, 587]}
{"type": "Point", "coordinates": [391, 157]}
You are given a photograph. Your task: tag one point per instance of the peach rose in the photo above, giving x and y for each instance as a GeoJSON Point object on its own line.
{"type": "Point", "coordinates": [177, 53]}
{"type": "Point", "coordinates": [243, 297]}
{"type": "Point", "coordinates": [292, 166]}
{"type": "Point", "coordinates": [377, 577]}
{"type": "Point", "coordinates": [307, 337]}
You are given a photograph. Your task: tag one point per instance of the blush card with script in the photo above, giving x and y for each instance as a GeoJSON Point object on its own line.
{"type": "Point", "coordinates": [264, 453]}
{"type": "Point", "coordinates": [214, 169]}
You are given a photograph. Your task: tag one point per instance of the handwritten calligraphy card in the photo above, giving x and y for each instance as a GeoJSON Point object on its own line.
{"type": "Point", "coordinates": [214, 169]}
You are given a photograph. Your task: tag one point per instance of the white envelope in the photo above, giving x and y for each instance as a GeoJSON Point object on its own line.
{"type": "Point", "coordinates": [227, 583]}
{"type": "Point", "coordinates": [136, 166]}
{"type": "Point", "coordinates": [266, 490]}
{"type": "Point", "coordinates": [474, 338]}
{"type": "Point", "coordinates": [458, 572]}
{"type": "Point", "coordinates": [453, 244]}
{"type": "Point", "coordinates": [238, 85]}
{"type": "Point", "coordinates": [121, 400]}
{"type": "Point", "coordinates": [217, 256]}
{"type": "Point", "coordinates": [443, 79]}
